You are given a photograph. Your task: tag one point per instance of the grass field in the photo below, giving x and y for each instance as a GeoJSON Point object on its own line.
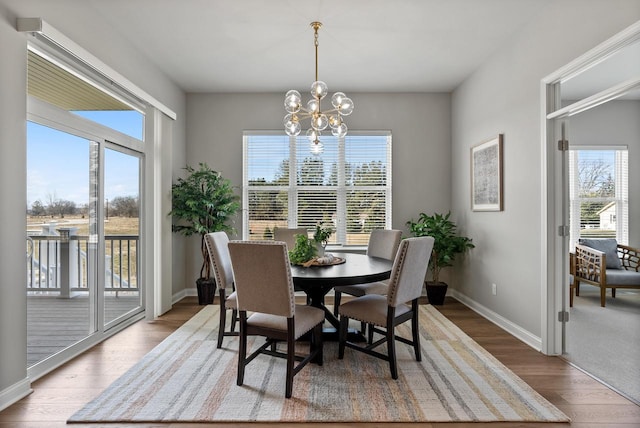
{"type": "Point", "coordinates": [112, 226]}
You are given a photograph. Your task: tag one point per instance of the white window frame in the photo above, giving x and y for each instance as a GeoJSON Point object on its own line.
{"type": "Point", "coordinates": [293, 188]}
{"type": "Point", "coordinates": [621, 197]}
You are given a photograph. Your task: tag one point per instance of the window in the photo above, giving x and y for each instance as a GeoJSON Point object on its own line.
{"type": "Point", "coordinates": [348, 185]}
{"type": "Point", "coordinates": [599, 201]}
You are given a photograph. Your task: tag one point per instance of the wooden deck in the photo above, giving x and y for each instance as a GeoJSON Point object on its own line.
{"type": "Point", "coordinates": [55, 323]}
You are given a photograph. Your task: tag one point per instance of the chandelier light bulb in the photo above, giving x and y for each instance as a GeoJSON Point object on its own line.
{"type": "Point", "coordinates": [292, 128]}
{"type": "Point", "coordinates": [346, 107]}
{"type": "Point", "coordinates": [317, 148]}
{"type": "Point", "coordinates": [313, 135]}
{"type": "Point", "coordinates": [313, 105]}
{"type": "Point", "coordinates": [339, 131]}
{"type": "Point", "coordinates": [292, 102]}
{"type": "Point", "coordinates": [319, 119]}
{"type": "Point", "coordinates": [337, 98]}
{"type": "Point", "coordinates": [319, 122]}
{"type": "Point", "coordinates": [319, 89]}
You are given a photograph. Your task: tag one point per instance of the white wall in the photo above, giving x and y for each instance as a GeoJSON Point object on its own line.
{"type": "Point", "coordinates": [80, 22]}
{"type": "Point", "coordinates": [503, 96]}
{"type": "Point", "coordinates": [420, 126]}
{"type": "Point", "coordinates": [13, 193]}
{"type": "Point", "coordinates": [615, 123]}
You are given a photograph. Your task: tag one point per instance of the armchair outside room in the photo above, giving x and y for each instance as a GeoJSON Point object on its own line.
{"type": "Point", "coordinates": [597, 268]}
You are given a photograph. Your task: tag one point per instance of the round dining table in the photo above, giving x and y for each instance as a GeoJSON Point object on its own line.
{"type": "Point", "coordinates": [317, 281]}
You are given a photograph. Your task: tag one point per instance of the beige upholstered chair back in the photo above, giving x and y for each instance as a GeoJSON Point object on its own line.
{"type": "Point", "coordinates": [409, 270]}
{"type": "Point", "coordinates": [263, 277]}
{"type": "Point", "coordinates": [216, 243]}
{"type": "Point", "coordinates": [288, 235]}
{"type": "Point", "coordinates": [384, 243]}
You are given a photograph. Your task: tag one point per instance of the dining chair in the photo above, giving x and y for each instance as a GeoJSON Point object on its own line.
{"type": "Point", "coordinates": [264, 287]}
{"type": "Point", "coordinates": [216, 243]}
{"type": "Point", "coordinates": [398, 306]}
{"type": "Point", "coordinates": [288, 235]}
{"type": "Point", "coordinates": [383, 243]}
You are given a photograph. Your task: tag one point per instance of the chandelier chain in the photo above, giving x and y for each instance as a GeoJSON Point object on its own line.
{"type": "Point", "coordinates": [316, 26]}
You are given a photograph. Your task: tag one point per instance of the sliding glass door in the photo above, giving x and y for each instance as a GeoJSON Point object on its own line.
{"type": "Point", "coordinates": [60, 285]}
{"type": "Point", "coordinates": [121, 234]}
{"type": "Point", "coordinates": [85, 150]}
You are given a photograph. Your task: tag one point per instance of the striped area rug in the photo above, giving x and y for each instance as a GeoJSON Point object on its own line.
{"type": "Point", "coordinates": [186, 379]}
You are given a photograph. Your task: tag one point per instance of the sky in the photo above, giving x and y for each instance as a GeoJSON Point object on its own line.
{"type": "Point", "coordinates": [58, 162]}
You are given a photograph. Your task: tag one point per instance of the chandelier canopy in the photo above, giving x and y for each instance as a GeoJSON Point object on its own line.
{"type": "Point", "coordinates": [320, 120]}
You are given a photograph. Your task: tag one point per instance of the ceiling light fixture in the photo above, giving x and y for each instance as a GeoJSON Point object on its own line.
{"type": "Point", "coordinates": [320, 120]}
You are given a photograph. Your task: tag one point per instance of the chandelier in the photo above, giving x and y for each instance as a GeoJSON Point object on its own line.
{"type": "Point", "coordinates": [320, 120]}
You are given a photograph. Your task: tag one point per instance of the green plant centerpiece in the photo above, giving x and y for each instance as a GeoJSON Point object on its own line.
{"type": "Point", "coordinates": [303, 251]}
{"type": "Point", "coordinates": [447, 244]}
{"type": "Point", "coordinates": [203, 202]}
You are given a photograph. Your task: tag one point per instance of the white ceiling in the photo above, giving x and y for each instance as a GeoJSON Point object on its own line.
{"type": "Point", "coordinates": [267, 45]}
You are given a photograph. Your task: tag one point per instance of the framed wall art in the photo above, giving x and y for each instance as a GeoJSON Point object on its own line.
{"type": "Point", "coordinates": [486, 175]}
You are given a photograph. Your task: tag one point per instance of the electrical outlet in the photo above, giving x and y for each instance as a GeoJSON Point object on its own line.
{"type": "Point", "coordinates": [494, 289]}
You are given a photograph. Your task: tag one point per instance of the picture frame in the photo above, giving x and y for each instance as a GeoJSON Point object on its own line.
{"type": "Point", "coordinates": [486, 175]}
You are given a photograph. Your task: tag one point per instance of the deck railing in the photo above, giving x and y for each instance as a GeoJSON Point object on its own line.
{"type": "Point", "coordinates": [66, 263]}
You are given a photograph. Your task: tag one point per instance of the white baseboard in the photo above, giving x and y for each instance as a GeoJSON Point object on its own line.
{"type": "Point", "coordinates": [15, 393]}
{"type": "Point", "coordinates": [524, 335]}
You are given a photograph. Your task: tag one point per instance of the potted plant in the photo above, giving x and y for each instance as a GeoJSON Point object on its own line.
{"type": "Point", "coordinates": [203, 202]}
{"type": "Point", "coordinates": [321, 237]}
{"type": "Point", "coordinates": [447, 244]}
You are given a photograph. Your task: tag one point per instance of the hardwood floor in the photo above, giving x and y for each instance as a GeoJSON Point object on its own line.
{"type": "Point", "coordinates": [58, 395]}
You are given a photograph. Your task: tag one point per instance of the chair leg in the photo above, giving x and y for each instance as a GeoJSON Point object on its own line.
{"type": "Point", "coordinates": [577, 287]}
{"type": "Point", "coordinates": [391, 348]}
{"type": "Point", "coordinates": [234, 320]}
{"type": "Point", "coordinates": [571, 293]}
{"type": "Point", "coordinates": [223, 316]}
{"type": "Point", "coordinates": [336, 301]}
{"type": "Point", "coordinates": [223, 321]}
{"type": "Point", "coordinates": [242, 348]}
{"type": "Point", "coordinates": [603, 295]}
{"type": "Point", "coordinates": [317, 344]}
{"type": "Point", "coordinates": [415, 327]}
{"type": "Point", "coordinates": [370, 334]}
{"type": "Point", "coordinates": [342, 336]}
{"type": "Point", "coordinates": [613, 293]}
{"type": "Point", "coordinates": [291, 352]}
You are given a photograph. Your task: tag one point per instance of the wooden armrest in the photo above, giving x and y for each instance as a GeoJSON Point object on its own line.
{"type": "Point", "coordinates": [629, 257]}
{"type": "Point", "coordinates": [590, 264]}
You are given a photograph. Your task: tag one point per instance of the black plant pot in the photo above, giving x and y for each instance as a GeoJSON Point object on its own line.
{"type": "Point", "coordinates": [206, 290]}
{"type": "Point", "coordinates": [436, 291]}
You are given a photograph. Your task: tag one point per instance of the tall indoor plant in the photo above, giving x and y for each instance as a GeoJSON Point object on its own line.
{"type": "Point", "coordinates": [203, 202]}
{"type": "Point", "coordinates": [447, 244]}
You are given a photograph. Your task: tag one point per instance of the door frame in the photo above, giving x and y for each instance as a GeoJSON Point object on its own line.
{"type": "Point", "coordinates": [554, 203]}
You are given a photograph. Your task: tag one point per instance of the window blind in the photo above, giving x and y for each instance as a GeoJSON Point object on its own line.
{"type": "Point", "coordinates": [347, 185]}
{"type": "Point", "coordinates": [598, 193]}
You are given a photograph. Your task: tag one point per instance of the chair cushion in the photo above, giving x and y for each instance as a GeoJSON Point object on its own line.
{"type": "Point", "coordinates": [306, 318]}
{"type": "Point", "coordinates": [371, 309]}
{"type": "Point", "coordinates": [363, 289]}
{"type": "Point", "coordinates": [623, 277]}
{"type": "Point", "coordinates": [609, 246]}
